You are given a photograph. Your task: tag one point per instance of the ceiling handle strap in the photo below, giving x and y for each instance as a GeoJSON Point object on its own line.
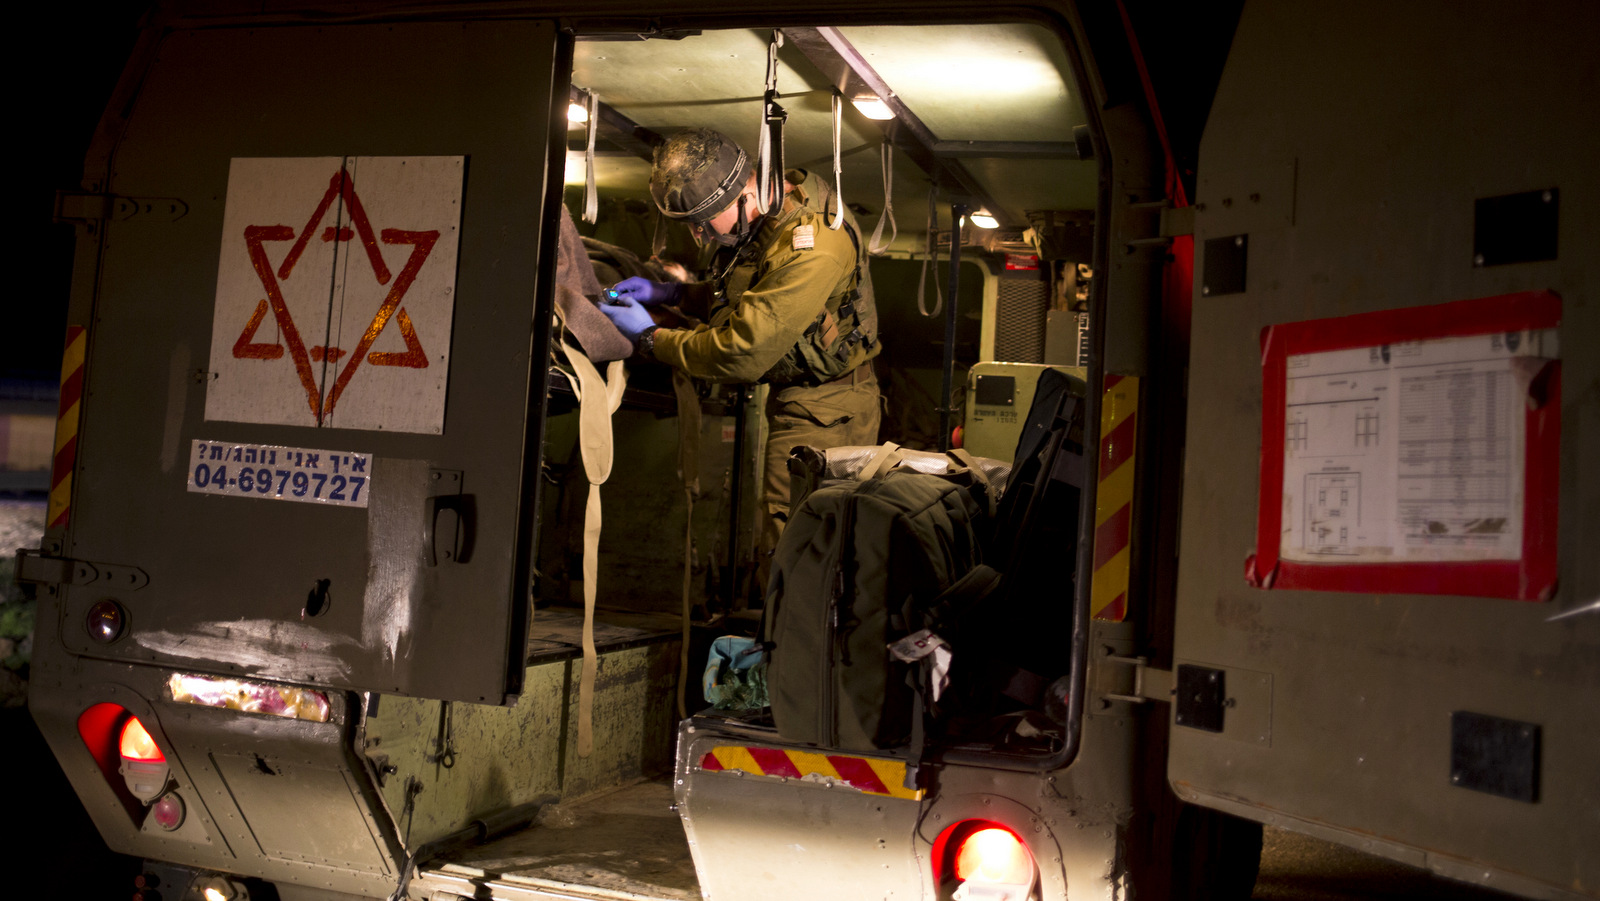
{"type": "Point", "coordinates": [886, 161]}
{"type": "Point", "coordinates": [591, 197]}
{"type": "Point", "coordinates": [769, 153]}
{"type": "Point", "coordinates": [931, 256]}
{"type": "Point", "coordinates": [836, 218]}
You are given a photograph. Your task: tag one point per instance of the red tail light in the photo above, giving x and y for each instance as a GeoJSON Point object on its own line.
{"type": "Point", "coordinates": [980, 860]}
{"type": "Point", "coordinates": [122, 746]}
{"type": "Point", "coordinates": [994, 855]}
{"type": "Point", "coordinates": [136, 743]}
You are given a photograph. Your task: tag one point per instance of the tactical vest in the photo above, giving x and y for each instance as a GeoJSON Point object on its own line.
{"type": "Point", "coordinates": [848, 319]}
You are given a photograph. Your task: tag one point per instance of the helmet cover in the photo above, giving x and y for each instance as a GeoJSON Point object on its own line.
{"type": "Point", "coordinates": [697, 174]}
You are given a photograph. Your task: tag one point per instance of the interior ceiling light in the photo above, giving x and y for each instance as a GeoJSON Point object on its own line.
{"type": "Point", "coordinates": [983, 219]}
{"type": "Point", "coordinates": [577, 113]}
{"type": "Point", "coordinates": [870, 106]}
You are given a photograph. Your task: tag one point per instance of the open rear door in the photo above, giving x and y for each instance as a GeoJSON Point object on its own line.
{"type": "Point", "coordinates": [307, 401]}
{"type": "Point", "coordinates": [1387, 633]}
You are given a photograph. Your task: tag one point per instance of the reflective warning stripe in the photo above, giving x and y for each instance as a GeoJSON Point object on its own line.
{"type": "Point", "coordinates": [872, 775]}
{"type": "Point", "coordinates": [67, 412]}
{"type": "Point", "coordinates": [1113, 509]}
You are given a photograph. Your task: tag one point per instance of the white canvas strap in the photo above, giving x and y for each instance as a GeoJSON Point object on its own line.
{"type": "Point", "coordinates": [591, 199]}
{"type": "Point", "coordinates": [598, 398]}
{"type": "Point", "coordinates": [884, 457]}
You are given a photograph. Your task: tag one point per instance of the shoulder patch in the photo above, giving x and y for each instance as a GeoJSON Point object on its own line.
{"type": "Point", "coordinates": [805, 237]}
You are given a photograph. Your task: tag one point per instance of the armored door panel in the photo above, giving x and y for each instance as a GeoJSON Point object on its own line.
{"type": "Point", "coordinates": [1381, 636]}
{"type": "Point", "coordinates": [306, 396]}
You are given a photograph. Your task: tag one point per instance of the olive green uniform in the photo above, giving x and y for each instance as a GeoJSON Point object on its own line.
{"type": "Point", "coordinates": [779, 321]}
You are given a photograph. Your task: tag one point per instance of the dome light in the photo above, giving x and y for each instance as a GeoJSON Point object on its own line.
{"type": "Point", "coordinates": [870, 106]}
{"type": "Point", "coordinates": [983, 219]}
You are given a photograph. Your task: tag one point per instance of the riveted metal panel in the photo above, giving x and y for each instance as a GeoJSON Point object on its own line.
{"type": "Point", "coordinates": [230, 575]}
{"type": "Point", "coordinates": [1364, 104]}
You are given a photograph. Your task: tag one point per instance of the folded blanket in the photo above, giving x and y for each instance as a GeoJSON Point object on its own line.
{"type": "Point", "coordinates": [577, 296]}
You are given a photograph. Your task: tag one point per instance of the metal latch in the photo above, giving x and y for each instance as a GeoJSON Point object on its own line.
{"type": "Point", "coordinates": [36, 568]}
{"type": "Point", "coordinates": [84, 206]}
{"type": "Point", "coordinates": [1149, 684]}
{"type": "Point", "coordinates": [447, 519]}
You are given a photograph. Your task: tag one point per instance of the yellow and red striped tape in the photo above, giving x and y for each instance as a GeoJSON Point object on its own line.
{"type": "Point", "coordinates": [872, 775]}
{"type": "Point", "coordinates": [1113, 509]}
{"type": "Point", "coordinates": [67, 414]}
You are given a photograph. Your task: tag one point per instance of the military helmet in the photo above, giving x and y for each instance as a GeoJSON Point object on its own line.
{"type": "Point", "coordinates": [697, 174]}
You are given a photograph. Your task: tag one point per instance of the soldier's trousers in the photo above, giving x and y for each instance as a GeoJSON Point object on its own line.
{"type": "Point", "coordinates": [841, 413]}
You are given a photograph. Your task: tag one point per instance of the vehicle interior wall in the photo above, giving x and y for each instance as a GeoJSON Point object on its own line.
{"type": "Point", "coordinates": [1000, 123]}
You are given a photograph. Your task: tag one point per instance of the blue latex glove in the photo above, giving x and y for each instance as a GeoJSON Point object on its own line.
{"type": "Point", "coordinates": [645, 291]}
{"type": "Point", "coordinates": [628, 316]}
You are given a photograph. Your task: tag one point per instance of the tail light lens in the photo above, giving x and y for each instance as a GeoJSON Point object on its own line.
{"type": "Point", "coordinates": [168, 811]}
{"type": "Point", "coordinates": [144, 767]}
{"type": "Point", "coordinates": [987, 862]}
{"type": "Point", "coordinates": [136, 743]}
{"type": "Point", "coordinates": [994, 855]}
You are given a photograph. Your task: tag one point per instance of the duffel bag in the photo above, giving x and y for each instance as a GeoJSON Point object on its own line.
{"type": "Point", "coordinates": [857, 564]}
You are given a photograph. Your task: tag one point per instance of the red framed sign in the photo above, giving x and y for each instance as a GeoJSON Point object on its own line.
{"type": "Point", "coordinates": [1412, 451]}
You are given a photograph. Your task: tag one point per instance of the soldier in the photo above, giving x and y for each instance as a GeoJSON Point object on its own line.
{"type": "Point", "coordinates": [789, 304]}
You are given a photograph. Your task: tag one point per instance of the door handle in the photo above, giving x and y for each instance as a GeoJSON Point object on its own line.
{"type": "Point", "coordinates": [447, 519]}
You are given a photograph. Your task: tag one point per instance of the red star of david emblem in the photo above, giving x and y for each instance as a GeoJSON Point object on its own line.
{"type": "Point", "coordinates": [255, 236]}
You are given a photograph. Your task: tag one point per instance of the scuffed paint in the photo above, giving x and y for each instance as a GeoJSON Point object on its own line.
{"type": "Point", "coordinates": [255, 645]}
{"type": "Point", "coordinates": [394, 552]}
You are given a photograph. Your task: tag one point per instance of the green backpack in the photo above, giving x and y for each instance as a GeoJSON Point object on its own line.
{"type": "Point", "coordinates": [857, 568]}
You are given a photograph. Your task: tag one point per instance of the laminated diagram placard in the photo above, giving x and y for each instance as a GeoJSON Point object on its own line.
{"type": "Point", "coordinates": [1412, 451]}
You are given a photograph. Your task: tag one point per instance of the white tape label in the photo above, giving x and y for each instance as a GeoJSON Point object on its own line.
{"type": "Point", "coordinates": [280, 473]}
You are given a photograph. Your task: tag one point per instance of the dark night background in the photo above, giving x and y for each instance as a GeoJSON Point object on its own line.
{"type": "Point", "coordinates": [55, 102]}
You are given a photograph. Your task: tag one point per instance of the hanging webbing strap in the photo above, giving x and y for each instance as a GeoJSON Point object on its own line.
{"type": "Point", "coordinates": [966, 459]}
{"type": "Point", "coordinates": [932, 256]}
{"type": "Point", "coordinates": [836, 218]}
{"type": "Point", "coordinates": [769, 152]}
{"type": "Point", "coordinates": [598, 398]}
{"type": "Point", "coordinates": [591, 198]}
{"type": "Point", "coordinates": [689, 474]}
{"type": "Point", "coordinates": [886, 162]}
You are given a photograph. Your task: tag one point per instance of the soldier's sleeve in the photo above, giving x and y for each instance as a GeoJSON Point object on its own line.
{"type": "Point", "coordinates": [770, 317]}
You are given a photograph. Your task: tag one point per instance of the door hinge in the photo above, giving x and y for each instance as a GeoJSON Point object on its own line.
{"type": "Point", "coordinates": [1149, 684]}
{"type": "Point", "coordinates": [36, 568]}
{"type": "Point", "coordinates": [84, 206]}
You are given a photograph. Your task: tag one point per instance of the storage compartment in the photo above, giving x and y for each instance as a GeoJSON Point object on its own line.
{"type": "Point", "coordinates": [453, 763]}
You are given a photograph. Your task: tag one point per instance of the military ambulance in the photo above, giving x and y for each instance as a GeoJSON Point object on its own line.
{"type": "Point", "coordinates": [312, 595]}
